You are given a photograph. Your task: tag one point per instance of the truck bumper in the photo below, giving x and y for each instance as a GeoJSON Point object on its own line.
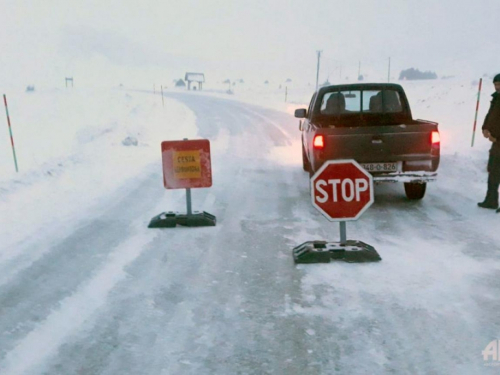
{"type": "Point", "coordinates": [413, 177]}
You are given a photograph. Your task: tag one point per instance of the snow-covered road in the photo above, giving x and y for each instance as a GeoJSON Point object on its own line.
{"type": "Point", "coordinates": [113, 297]}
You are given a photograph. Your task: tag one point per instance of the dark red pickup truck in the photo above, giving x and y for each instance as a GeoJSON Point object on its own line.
{"type": "Point", "coordinates": [372, 124]}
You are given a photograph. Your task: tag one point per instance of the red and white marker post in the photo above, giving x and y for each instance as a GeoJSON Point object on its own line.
{"type": "Point", "coordinates": [477, 110]}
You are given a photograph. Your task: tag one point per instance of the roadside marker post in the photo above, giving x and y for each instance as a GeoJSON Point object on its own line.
{"type": "Point", "coordinates": [10, 132]}
{"type": "Point", "coordinates": [342, 191]}
{"type": "Point", "coordinates": [477, 109]}
{"type": "Point", "coordinates": [186, 165]}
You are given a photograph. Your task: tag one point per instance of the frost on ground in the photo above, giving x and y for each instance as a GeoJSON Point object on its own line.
{"type": "Point", "coordinates": [85, 287]}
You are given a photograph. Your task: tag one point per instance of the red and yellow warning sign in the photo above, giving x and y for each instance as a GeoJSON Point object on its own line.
{"type": "Point", "coordinates": [186, 164]}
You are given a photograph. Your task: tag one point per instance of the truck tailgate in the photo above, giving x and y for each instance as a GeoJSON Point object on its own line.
{"type": "Point", "coordinates": [379, 144]}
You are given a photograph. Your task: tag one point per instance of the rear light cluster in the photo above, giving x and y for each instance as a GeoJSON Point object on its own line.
{"type": "Point", "coordinates": [319, 142]}
{"type": "Point", "coordinates": [435, 138]}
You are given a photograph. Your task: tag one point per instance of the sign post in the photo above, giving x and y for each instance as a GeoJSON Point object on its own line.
{"type": "Point", "coordinates": [186, 165]}
{"type": "Point", "coordinates": [10, 132]}
{"type": "Point", "coordinates": [342, 191]}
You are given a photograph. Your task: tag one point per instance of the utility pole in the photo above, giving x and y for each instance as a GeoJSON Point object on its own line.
{"type": "Point", "coordinates": [389, 74]}
{"type": "Point", "coordinates": [359, 69]}
{"type": "Point", "coordinates": [317, 69]}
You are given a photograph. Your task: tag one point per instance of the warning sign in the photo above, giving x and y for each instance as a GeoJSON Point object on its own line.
{"type": "Point", "coordinates": [186, 164]}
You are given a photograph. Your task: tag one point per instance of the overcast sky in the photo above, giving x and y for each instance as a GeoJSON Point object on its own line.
{"type": "Point", "coordinates": [250, 38]}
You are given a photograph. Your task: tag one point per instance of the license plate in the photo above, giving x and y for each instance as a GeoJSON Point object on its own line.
{"type": "Point", "coordinates": [381, 167]}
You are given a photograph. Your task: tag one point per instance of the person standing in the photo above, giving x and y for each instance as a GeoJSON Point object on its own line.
{"type": "Point", "coordinates": [491, 130]}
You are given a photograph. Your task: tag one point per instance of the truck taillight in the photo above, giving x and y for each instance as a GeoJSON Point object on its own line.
{"type": "Point", "coordinates": [319, 142]}
{"type": "Point", "coordinates": [435, 138]}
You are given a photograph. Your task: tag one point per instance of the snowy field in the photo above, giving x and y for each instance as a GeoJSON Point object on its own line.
{"type": "Point", "coordinates": [86, 288]}
{"type": "Point", "coordinates": [71, 141]}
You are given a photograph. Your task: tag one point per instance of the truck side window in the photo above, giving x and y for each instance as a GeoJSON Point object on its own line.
{"type": "Point", "coordinates": [311, 104]}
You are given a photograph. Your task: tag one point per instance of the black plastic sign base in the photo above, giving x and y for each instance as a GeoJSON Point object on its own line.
{"type": "Point", "coordinates": [325, 252]}
{"type": "Point", "coordinates": [171, 219]}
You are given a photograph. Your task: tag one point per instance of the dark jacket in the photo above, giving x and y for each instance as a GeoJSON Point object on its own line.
{"type": "Point", "coordinates": [492, 122]}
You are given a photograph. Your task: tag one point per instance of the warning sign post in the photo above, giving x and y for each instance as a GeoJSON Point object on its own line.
{"type": "Point", "coordinates": [186, 165]}
{"type": "Point", "coordinates": [342, 191]}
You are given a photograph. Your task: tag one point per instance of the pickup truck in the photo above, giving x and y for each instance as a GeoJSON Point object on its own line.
{"type": "Point", "coordinates": [372, 124]}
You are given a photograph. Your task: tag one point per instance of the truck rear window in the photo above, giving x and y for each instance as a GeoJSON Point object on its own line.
{"type": "Point", "coordinates": [367, 101]}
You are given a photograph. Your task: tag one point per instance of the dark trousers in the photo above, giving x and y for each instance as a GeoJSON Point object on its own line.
{"type": "Point", "coordinates": [493, 178]}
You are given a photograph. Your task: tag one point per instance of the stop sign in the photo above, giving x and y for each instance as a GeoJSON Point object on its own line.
{"type": "Point", "coordinates": [342, 190]}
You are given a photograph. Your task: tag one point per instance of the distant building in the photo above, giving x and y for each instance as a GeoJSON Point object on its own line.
{"type": "Point", "coordinates": [195, 77]}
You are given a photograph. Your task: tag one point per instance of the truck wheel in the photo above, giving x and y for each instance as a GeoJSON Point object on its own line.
{"type": "Point", "coordinates": [415, 191]}
{"type": "Point", "coordinates": [305, 162]}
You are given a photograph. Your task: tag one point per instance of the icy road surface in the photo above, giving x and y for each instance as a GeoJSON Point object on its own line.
{"type": "Point", "coordinates": [113, 297]}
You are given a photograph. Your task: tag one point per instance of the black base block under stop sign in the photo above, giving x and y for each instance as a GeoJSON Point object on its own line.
{"type": "Point", "coordinates": [324, 252]}
{"type": "Point", "coordinates": [172, 219]}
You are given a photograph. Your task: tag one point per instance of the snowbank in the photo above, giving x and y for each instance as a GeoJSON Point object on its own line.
{"type": "Point", "coordinates": [72, 153]}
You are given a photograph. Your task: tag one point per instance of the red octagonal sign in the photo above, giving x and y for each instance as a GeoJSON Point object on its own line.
{"type": "Point", "coordinates": [342, 190]}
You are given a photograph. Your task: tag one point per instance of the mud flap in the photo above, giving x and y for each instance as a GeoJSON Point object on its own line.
{"type": "Point", "coordinates": [325, 252]}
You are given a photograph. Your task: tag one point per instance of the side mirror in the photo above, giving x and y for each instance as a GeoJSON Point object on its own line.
{"type": "Point", "coordinates": [300, 113]}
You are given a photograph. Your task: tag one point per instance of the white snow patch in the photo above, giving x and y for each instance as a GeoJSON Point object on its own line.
{"type": "Point", "coordinates": [71, 157]}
